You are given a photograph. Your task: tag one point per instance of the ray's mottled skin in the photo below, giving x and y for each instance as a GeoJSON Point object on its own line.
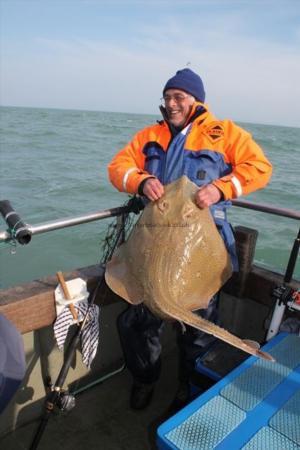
{"type": "Point", "coordinates": [175, 261]}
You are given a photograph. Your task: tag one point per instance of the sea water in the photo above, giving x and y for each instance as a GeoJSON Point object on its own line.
{"type": "Point", "coordinates": [54, 165]}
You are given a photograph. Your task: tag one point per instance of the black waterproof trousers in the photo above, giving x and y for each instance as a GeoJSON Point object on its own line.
{"type": "Point", "coordinates": [140, 332]}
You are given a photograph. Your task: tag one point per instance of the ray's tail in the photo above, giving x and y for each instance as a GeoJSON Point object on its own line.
{"type": "Point", "coordinates": [199, 323]}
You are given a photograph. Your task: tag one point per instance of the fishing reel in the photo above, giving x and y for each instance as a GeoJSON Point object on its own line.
{"type": "Point", "coordinates": [287, 296]}
{"type": "Point", "coordinates": [66, 401]}
{"type": "Point", "coordinates": [60, 398]}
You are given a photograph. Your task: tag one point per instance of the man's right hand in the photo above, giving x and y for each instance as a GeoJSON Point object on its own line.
{"type": "Point", "coordinates": [153, 189]}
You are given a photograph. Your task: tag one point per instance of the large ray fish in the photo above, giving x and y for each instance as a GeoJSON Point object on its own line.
{"type": "Point", "coordinates": [174, 261]}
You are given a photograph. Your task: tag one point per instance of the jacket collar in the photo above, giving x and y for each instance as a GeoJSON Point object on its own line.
{"type": "Point", "coordinates": [198, 109]}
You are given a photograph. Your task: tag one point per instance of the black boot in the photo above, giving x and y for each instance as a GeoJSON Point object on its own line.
{"type": "Point", "coordinates": [141, 395]}
{"type": "Point", "coordinates": [182, 397]}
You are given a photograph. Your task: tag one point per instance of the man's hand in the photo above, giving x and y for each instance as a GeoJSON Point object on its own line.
{"type": "Point", "coordinates": [153, 189]}
{"type": "Point", "coordinates": [207, 195]}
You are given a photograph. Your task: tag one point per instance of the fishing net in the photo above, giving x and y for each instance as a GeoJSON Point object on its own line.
{"type": "Point", "coordinates": [119, 229]}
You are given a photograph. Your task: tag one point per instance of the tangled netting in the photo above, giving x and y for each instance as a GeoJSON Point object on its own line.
{"type": "Point", "coordinates": [119, 229]}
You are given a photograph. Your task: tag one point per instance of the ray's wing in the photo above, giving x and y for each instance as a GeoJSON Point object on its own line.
{"type": "Point", "coordinates": [174, 245]}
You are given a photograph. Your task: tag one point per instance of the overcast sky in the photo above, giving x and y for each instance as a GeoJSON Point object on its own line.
{"type": "Point", "coordinates": [117, 55]}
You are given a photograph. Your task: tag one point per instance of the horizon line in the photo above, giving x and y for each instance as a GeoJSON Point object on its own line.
{"type": "Point", "coordinates": [137, 113]}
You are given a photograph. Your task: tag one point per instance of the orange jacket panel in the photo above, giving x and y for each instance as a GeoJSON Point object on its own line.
{"type": "Point", "coordinates": [251, 170]}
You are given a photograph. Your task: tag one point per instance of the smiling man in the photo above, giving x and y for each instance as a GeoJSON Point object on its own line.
{"type": "Point", "coordinates": [225, 162]}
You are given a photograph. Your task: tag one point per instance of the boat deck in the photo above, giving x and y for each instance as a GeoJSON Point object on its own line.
{"type": "Point", "coordinates": [255, 406]}
{"type": "Point", "coordinates": [102, 418]}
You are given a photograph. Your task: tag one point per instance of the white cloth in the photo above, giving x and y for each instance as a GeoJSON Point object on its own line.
{"type": "Point", "coordinates": [89, 334]}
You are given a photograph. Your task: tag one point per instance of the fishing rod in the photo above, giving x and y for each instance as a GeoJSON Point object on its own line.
{"type": "Point", "coordinates": [56, 396]}
{"type": "Point", "coordinates": [285, 295]}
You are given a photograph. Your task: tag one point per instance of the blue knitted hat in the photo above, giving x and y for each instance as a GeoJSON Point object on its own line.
{"type": "Point", "coordinates": [188, 81]}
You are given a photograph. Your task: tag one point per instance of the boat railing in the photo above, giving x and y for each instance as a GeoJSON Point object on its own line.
{"type": "Point", "coordinates": [269, 209]}
{"type": "Point", "coordinates": [22, 232]}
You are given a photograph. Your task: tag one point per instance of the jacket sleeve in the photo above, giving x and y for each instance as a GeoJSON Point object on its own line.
{"type": "Point", "coordinates": [126, 170]}
{"type": "Point", "coordinates": [251, 170]}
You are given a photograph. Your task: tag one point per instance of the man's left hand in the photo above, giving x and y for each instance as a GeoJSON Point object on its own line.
{"type": "Point", "coordinates": [208, 195]}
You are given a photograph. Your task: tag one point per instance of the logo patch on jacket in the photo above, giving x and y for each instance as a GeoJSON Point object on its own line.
{"type": "Point", "coordinates": [215, 132]}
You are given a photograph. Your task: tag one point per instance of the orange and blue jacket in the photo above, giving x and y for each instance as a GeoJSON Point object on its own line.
{"type": "Point", "coordinates": [207, 150]}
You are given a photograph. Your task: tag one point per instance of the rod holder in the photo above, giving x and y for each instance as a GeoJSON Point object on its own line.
{"type": "Point", "coordinates": [17, 228]}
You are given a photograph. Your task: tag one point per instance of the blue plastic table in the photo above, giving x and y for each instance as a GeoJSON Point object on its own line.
{"type": "Point", "coordinates": [254, 407]}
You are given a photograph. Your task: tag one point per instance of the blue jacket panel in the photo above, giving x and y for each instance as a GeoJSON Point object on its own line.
{"type": "Point", "coordinates": [201, 167]}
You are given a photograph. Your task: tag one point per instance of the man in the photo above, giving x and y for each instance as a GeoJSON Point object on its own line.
{"type": "Point", "coordinates": [225, 162]}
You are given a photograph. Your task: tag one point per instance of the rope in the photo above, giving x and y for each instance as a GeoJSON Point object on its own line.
{"type": "Point", "coordinates": [13, 230]}
{"type": "Point", "coordinates": [11, 243]}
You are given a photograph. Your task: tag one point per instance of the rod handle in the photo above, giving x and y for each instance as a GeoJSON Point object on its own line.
{"type": "Point", "coordinates": [64, 286]}
{"type": "Point", "coordinates": [67, 294]}
{"type": "Point", "coordinates": [292, 260]}
{"type": "Point", "coordinates": [73, 312]}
